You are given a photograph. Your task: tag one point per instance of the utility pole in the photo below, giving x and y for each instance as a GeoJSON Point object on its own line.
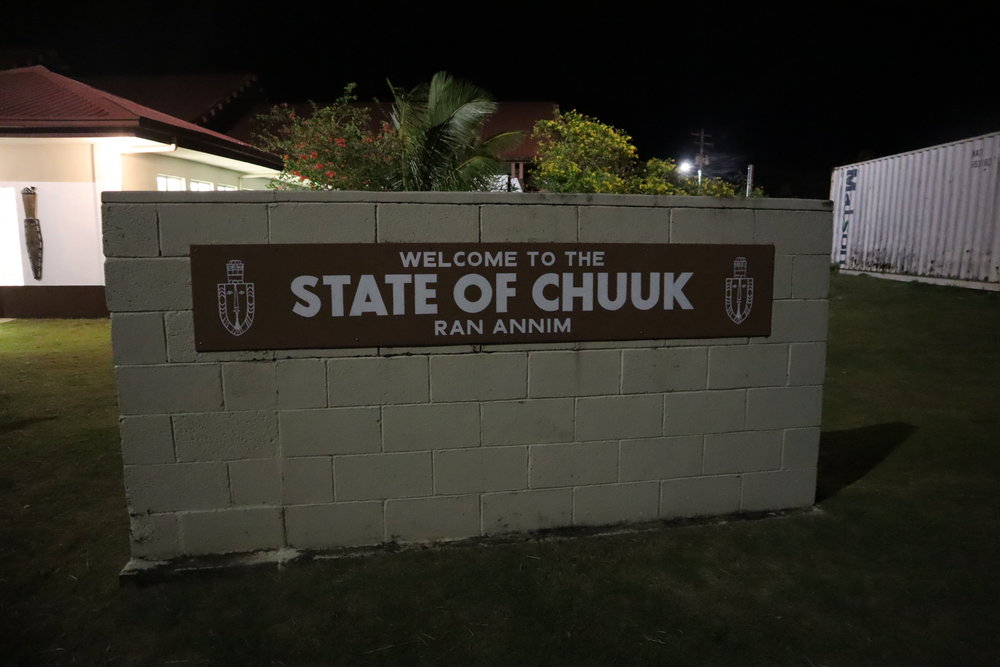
{"type": "Point", "coordinates": [701, 160]}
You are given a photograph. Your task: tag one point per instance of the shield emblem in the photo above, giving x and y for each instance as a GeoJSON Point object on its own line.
{"type": "Point", "coordinates": [739, 292]}
{"type": "Point", "coordinates": [236, 300]}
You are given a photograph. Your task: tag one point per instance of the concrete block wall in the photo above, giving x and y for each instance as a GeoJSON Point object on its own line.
{"type": "Point", "coordinates": [323, 449]}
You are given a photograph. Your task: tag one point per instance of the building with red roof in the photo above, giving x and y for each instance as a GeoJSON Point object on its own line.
{"type": "Point", "coordinates": [63, 143]}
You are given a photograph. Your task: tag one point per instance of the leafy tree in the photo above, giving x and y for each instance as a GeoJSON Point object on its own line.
{"type": "Point", "coordinates": [439, 126]}
{"type": "Point", "coordinates": [662, 177]}
{"type": "Point", "coordinates": [577, 153]}
{"type": "Point", "coordinates": [335, 147]}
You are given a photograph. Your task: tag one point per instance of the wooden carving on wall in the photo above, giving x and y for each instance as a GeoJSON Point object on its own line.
{"type": "Point", "coordinates": [32, 231]}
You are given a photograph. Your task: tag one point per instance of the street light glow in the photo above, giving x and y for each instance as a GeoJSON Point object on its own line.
{"type": "Point", "coordinates": [685, 167]}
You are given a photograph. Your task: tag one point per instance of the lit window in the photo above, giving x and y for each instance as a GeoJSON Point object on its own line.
{"type": "Point", "coordinates": [227, 188]}
{"type": "Point", "coordinates": [200, 186]}
{"type": "Point", "coordinates": [169, 183]}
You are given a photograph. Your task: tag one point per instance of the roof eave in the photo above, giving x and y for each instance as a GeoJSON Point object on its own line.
{"type": "Point", "coordinates": [169, 134]}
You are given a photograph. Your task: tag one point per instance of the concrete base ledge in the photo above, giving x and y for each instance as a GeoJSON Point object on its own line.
{"type": "Point", "coordinates": [929, 280]}
{"type": "Point", "coordinates": [139, 572]}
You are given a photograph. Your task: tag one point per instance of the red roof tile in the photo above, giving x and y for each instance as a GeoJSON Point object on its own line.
{"type": "Point", "coordinates": [37, 102]}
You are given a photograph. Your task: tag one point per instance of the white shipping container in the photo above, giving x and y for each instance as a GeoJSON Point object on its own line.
{"type": "Point", "coordinates": [932, 214]}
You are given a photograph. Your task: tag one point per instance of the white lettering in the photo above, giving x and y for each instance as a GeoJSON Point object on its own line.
{"type": "Point", "coordinates": [621, 291]}
{"type": "Point", "coordinates": [336, 284]}
{"type": "Point", "coordinates": [504, 290]}
{"type": "Point", "coordinates": [423, 294]}
{"type": "Point", "coordinates": [368, 299]}
{"type": "Point", "coordinates": [538, 292]}
{"type": "Point", "coordinates": [654, 291]}
{"type": "Point", "coordinates": [485, 293]}
{"type": "Point", "coordinates": [585, 292]}
{"type": "Point", "coordinates": [311, 303]}
{"type": "Point", "coordinates": [398, 282]}
{"type": "Point", "coordinates": [674, 290]}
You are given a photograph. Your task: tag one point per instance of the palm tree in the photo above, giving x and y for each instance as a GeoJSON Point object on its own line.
{"type": "Point", "coordinates": [439, 128]}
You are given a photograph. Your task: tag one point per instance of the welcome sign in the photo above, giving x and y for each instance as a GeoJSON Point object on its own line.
{"type": "Point", "coordinates": [255, 297]}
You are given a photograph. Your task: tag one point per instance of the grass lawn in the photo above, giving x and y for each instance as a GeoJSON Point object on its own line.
{"type": "Point", "coordinates": [899, 566]}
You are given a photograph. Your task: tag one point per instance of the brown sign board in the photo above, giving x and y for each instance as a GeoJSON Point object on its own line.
{"type": "Point", "coordinates": [258, 297]}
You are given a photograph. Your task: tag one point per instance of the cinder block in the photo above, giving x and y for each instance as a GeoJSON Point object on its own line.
{"type": "Point", "coordinates": [146, 439]}
{"type": "Point", "coordinates": [168, 389]}
{"type": "Point", "coordinates": [334, 526]}
{"type": "Point", "coordinates": [176, 486]}
{"type": "Point", "coordinates": [801, 448]}
{"type": "Point", "coordinates": [224, 436]}
{"type": "Point", "coordinates": [691, 413]}
{"type": "Point", "coordinates": [332, 431]}
{"type": "Point", "coordinates": [784, 407]}
{"type": "Point", "coordinates": [573, 464]}
{"type": "Point", "coordinates": [607, 417]}
{"type": "Point", "coordinates": [479, 377]}
{"type": "Point", "coordinates": [523, 511]}
{"type": "Point", "coordinates": [255, 482]}
{"type": "Point", "coordinates": [528, 224]}
{"type": "Point", "coordinates": [807, 363]}
{"type": "Point", "coordinates": [130, 230]}
{"type": "Point", "coordinates": [624, 224]}
{"type": "Point", "coordinates": [427, 223]}
{"type": "Point", "coordinates": [430, 426]}
{"type": "Point", "coordinates": [711, 225]}
{"type": "Point", "coordinates": [148, 284]}
{"type": "Point", "coordinates": [377, 476]}
{"type": "Point", "coordinates": [798, 321]}
{"type": "Point", "coordinates": [423, 519]}
{"type": "Point", "coordinates": [138, 338]}
{"type": "Point", "coordinates": [699, 496]}
{"type": "Point", "coordinates": [811, 277]}
{"type": "Point", "coordinates": [232, 530]}
{"type": "Point", "coordinates": [782, 288]}
{"type": "Point", "coordinates": [377, 380]}
{"type": "Point", "coordinates": [341, 222]}
{"type": "Point", "coordinates": [154, 536]}
{"type": "Point", "coordinates": [588, 373]}
{"type": "Point", "coordinates": [481, 469]}
{"type": "Point", "coordinates": [307, 480]}
{"type": "Point", "coordinates": [783, 489]}
{"type": "Point", "coordinates": [184, 225]}
{"type": "Point", "coordinates": [616, 503]}
{"type": "Point", "coordinates": [745, 451]}
{"type": "Point", "coordinates": [179, 326]}
{"type": "Point", "coordinates": [795, 232]}
{"type": "Point", "coordinates": [735, 366]}
{"type": "Point", "coordinates": [249, 385]}
{"type": "Point", "coordinates": [301, 383]}
{"type": "Point", "coordinates": [661, 458]}
{"type": "Point", "coordinates": [528, 422]}
{"type": "Point", "coordinates": [664, 369]}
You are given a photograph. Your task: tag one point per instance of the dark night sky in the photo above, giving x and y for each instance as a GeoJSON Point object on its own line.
{"type": "Point", "coordinates": [795, 93]}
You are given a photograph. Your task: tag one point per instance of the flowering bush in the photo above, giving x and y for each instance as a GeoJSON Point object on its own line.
{"type": "Point", "coordinates": [336, 147]}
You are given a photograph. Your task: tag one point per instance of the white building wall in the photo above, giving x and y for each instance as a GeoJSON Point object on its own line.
{"type": "Point", "coordinates": [139, 171]}
{"type": "Point", "coordinates": [62, 173]}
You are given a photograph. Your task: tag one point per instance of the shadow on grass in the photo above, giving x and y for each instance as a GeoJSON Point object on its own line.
{"type": "Point", "coordinates": [10, 427]}
{"type": "Point", "coordinates": [847, 456]}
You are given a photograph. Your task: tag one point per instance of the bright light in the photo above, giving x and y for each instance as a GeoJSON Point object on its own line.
{"type": "Point", "coordinates": [685, 167]}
